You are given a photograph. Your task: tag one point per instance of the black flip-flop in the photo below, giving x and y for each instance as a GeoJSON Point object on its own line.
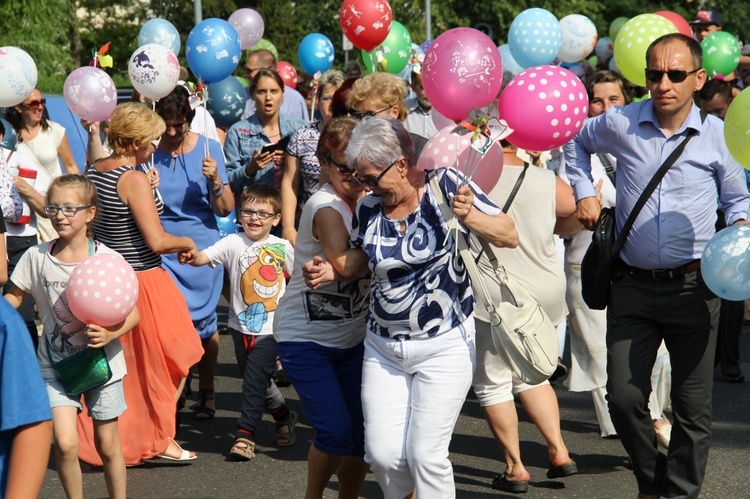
{"type": "Point", "coordinates": [562, 471]}
{"type": "Point", "coordinates": [501, 482]}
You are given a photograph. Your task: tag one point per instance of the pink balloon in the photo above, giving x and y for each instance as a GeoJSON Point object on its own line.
{"type": "Point", "coordinates": [249, 25]}
{"type": "Point", "coordinates": [439, 120]}
{"type": "Point", "coordinates": [102, 290]}
{"type": "Point", "coordinates": [680, 23]}
{"type": "Point", "coordinates": [462, 70]}
{"type": "Point", "coordinates": [288, 73]}
{"type": "Point", "coordinates": [444, 148]}
{"type": "Point", "coordinates": [90, 93]}
{"type": "Point", "coordinates": [545, 106]}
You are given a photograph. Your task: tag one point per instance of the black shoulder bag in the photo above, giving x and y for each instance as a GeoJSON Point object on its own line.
{"type": "Point", "coordinates": [598, 263]}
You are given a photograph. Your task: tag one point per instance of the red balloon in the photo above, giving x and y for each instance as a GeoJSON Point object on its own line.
{"type": "Point", "coordinates": [366, 23]}
{"type": "Point", "coordinates": [679, 21]}
{"type": "Point", "coordinates": [287, 73]}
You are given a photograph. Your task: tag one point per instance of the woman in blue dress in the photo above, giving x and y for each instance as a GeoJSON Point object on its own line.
{"type": "Point", "coordinates": [192, 183]}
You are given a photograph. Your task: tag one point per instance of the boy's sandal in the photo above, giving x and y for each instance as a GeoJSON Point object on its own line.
{"type": "Point", "coordinates": [286, 439]}
{"type": "Point", "coordinates": [201, 412]}
{"type": "Point", "coordinates": [242, 450]}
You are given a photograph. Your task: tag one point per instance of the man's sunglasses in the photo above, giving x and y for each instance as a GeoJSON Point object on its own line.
{"type": "Point", "coordinates": [35, 104]}
{"type": "Point", "coordinates": [674, 75]}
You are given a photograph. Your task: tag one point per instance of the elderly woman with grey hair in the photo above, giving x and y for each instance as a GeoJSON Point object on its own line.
{"type": "Point", "coordinates": [419, 349]}
{"type": "Point", "coordinates": [301, 167]}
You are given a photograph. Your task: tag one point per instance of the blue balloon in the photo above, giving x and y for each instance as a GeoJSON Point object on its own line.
{"type": "Point", "coordinates": [226, 101]}
{"type": "Point", "coordinates": [426, 45]}
{"type": "Point", "coordinates": [160, 31]}
{"type": "Point", "coordinates": [10, 138]}
{"type": "Point", "coordinates": [315, 53]}
{"type": "Point", "coordinates": [535, 37]}
{"type": "Point", "coordinates": [509, 64]}
{"type": "Point", "coordinates": [227, 225]}
{"type": "Point", "coordinates": [725, 264]}
{"type": "Point", "coordinates": [213, 50]}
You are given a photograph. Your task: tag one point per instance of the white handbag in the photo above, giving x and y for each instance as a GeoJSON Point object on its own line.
{"type": "Point", "coordinates": [522, 333]}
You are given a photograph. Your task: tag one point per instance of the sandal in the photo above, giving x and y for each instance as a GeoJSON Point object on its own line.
{"type": "Point", "coordinates": [286, 439]}
{"type": "Point", "coordinates": [242, 450]}
{"type": "Point", "coordinates": [201, 412]}
{"type": "Point", "coordinates": [185, 455]}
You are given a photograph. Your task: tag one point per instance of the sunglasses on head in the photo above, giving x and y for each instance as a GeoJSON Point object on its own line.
{"type": "Point", "coordinates": [674, 75]}
{"type": "Point", "coordinates": [35, 104]}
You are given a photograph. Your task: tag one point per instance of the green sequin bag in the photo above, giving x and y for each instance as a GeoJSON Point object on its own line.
{"type": "Point", "coordinates": [83, 371]}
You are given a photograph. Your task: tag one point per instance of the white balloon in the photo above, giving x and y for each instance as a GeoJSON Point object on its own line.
{"type": "Point", "coordinates": [18, 76]}
{"type": "Point", "coordinates": [578, 38]}
{"type": "Point", "coordinates": [154, 70]}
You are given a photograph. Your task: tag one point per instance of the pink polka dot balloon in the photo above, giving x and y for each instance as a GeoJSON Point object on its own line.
{"type": "Point", "coordinates": [545, 106]}
{"type": "Point", "coordinates": [102, 290]}
{"type": "Point", "coordinates": [445, 147]}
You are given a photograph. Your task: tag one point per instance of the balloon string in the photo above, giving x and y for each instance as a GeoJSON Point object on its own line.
{"type": "Point", "coordinates": [312, 107]}
{"type": "Point", "coordinates": [204, 103]}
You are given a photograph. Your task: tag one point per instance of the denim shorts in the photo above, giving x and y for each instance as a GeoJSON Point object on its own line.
{"type": "Point", "coordinates": [104, 403]}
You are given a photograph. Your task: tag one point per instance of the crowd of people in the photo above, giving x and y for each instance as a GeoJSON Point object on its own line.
{"type": "Point", "coordinates": [345, 270]}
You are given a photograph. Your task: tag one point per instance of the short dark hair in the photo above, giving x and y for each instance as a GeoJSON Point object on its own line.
{"type": "Point", "coordinates": [334, 137]}
{"type": "Point", "coordinates": [266, 73]}
{"type": "Point", "coordinates": [714, 86]}
{"type": "Point", "coordinates": [261, 193]}
{"type": "Point", "coordinates": [176, 105]}
{"type": "Point", "coordinates": [690, 42]}
{"type": "Point", "coordinates": [607, 76]}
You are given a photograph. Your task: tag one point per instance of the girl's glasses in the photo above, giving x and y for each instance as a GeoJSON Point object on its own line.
{"type": "Point", "coordinates": [69, 211]}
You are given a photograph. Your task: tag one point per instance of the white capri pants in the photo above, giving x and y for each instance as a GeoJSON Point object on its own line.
{"type": "Point", "coordinates": [412, 393]}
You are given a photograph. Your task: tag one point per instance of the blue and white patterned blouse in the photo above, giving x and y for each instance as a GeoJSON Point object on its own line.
{"type": "Point", "coordinates": [420, 287]}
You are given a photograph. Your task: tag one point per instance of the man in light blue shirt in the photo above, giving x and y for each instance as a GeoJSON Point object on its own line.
{"type": "Point", "coordinates": [657, 290]}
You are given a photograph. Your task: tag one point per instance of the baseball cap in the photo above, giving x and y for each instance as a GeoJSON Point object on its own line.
{"type": "Point", "coordinates": [707, 16]}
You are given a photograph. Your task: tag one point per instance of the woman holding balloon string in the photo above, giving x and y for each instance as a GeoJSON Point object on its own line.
{"type": "Point", "coordinates": [192, 186]}
{"type": "Point", "coordinates": [302, 168]}
{"type": "Point", "coordinates": [248, 161]}
{"type": "Point", "coordinates": [158, 354]}
{"type": "Point", "coordinates": [44, 271]}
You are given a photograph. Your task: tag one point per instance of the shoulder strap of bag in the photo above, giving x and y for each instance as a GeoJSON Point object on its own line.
{"type": "Point", "coordinates": [517, 186]}
{"type": "Point", "coordinates": [608, 168]}
{"type": "Point", "coordinates": [655, 180]}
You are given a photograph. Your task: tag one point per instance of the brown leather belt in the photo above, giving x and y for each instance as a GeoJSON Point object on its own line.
{"type": "Point", "coordinates": [666, 274]}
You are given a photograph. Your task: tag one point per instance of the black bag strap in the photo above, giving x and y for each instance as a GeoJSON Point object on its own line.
{"type": "Point", "coordinates": [517, 186]}
{"type": "Point", "coordinates": [608, 168]}
{"type": "Point", "coordinates": [655, 180]}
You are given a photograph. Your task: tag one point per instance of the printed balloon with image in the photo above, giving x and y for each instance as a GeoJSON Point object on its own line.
{"type": "Point", "coordinates": [721, 53]}
{"type": "Point", "coordinates": [160, 31]}
{"type": "Point", "coordinates": [578, 38]}
{"type": "Point", "coordinates": [226, 101]}
{"type": "Point", "coordinates": [102, 290]}
{"type": "Point", "coordinates": [365, 23]}
{"type": "Point", "coordinates": [264, 44]}
{"type": "Point", "coordinates": [154, 71]}
{"type": "Point", "coordinates": [632, 42]}
{"type": "Point", "coordinates": [447, 148]}
{"type": "Point", "coordinates": [725, 264]}
{"type": "Point", "coordinates": [393, 55]}
{"type": "Point", "coordinates": [249, 25]}
{"type": "Point", "coordinates": [288, 73]}
{"type": "Point", "coordinates": [213, 50]}
{"type": "Point", "coordinates": [534, 37]}
{"type": "Point", "coordinates": [545, 106]}
{"type": "Point", "coordinates": [18, 76]}
{"type": "Point", "coordinates": [90, 93]}
{"type": "Point", "coordinates": [315, 53]}
{"type": "Point", "coordinates": [461, 71]}
{"type": "Point", "coordinates": [604, 48]}
{"type": "Point", "coordinates": [10, 138]}
{"type": "Point", "coordinates": [737, 128]}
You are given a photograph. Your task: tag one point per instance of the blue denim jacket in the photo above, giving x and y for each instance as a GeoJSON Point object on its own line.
{"type": "Point", "coordinates": [242, 139]}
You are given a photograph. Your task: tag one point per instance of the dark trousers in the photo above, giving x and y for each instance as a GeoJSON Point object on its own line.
{"type": "Point", "coordinates": [728, 341]}
{"type": "Point", "coordinates": [16, 247]}
{"type": "Point", "coordinates": [685, 314]}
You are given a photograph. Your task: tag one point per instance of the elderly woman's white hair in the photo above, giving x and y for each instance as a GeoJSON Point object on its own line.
{"type": "Point", "coordinates": [380, 142]}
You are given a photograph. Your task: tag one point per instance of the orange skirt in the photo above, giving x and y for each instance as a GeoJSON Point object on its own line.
{"type": "Point", "coordinates": [159, 352]}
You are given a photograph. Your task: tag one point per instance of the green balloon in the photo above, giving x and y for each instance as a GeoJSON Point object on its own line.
{"type": "Point", "coordinates": [721, 53]}
{"type": "Point", "coordinates": [737, 128]}
{"type": "Point", "coordinates": [265, 44]}
{"type": "Point", "coordinates": [616, 25]}
{"type": "Point", "coordinates": [632, 42]}
{"type": "Point", "coordinates": [393, 54]}
{"type": "Point", "coordinates": [243, 81]}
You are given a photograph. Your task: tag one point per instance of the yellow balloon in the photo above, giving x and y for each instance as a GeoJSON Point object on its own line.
{"type": "Point", "coordinates": [737, 128]}
{"type": "Point", "coordinates": [632, 42]}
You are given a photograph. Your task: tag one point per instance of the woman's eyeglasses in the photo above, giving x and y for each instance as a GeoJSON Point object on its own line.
{"type": "Point", "coordinates": [674, 75]}
{"type": "Point", "coordinates": [343, 167]}
{"type": "Point", "coordinates": [69, 211]}
{"type": "Point", "coordinates": [367, 114]}
{"type": "Point", "coordinates": [262, 215]}
{"type": "Point", "coordinates": [35, 104]}
{"type": "Point", "coordinates": [374, 181]}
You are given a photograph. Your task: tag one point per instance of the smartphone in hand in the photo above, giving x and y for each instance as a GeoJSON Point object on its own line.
{"type": "Point", "coordinates": [277, 146]}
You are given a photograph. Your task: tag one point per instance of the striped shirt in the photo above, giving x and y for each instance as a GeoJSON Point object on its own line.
{"type": "Point", "coordinates": [115, 226]}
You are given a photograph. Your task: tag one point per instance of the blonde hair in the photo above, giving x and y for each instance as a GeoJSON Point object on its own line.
{"type": "Point", "coordinates": [382, 89]}
{"type": "Point", "coordinates": [133, 122]}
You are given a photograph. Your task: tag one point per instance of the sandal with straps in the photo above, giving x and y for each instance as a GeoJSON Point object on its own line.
{"type": "Point", "coordinates": [286, 439]}
{"type": "Point", "coordinates": [201, 412]}
{"type": "Point", "coordinates": [242, 450]}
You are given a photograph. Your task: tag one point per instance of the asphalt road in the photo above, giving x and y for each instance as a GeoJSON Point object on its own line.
{"type": "Point", "coordinates": [281, 472]}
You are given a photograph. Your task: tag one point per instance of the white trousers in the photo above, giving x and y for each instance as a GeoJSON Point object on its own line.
{"type": "Point", "coordinates": [412, 393]}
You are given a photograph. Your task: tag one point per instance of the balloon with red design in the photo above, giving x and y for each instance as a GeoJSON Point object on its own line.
{"type": "Point", "coordinates": [365, 23]}
{"type": "Point", "coordinates": [287, 73]}
{"type": "Point", "coordinates": [154, 70]}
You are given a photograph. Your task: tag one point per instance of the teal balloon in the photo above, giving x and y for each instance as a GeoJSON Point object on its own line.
{"type": "Point", "coordinates": [226, 101]}
{"type": "Point", "coordinates": [721, 53]}
{"type": "Point", "coordinates": [227, 225]}
{"type": "Point", "coordinates": [725, 264]}
{"type": "Point", "coordinates": [393, 54]}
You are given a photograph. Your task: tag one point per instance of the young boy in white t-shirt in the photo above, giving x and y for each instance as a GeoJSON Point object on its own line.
{"type": "Point", "coordinates": [256, 262]}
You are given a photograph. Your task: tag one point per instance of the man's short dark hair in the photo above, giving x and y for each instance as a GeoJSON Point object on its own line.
{"type": "Point", "coordinates": [714, 87]}
{"type": "Point", "coordinates": [692, 44]}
